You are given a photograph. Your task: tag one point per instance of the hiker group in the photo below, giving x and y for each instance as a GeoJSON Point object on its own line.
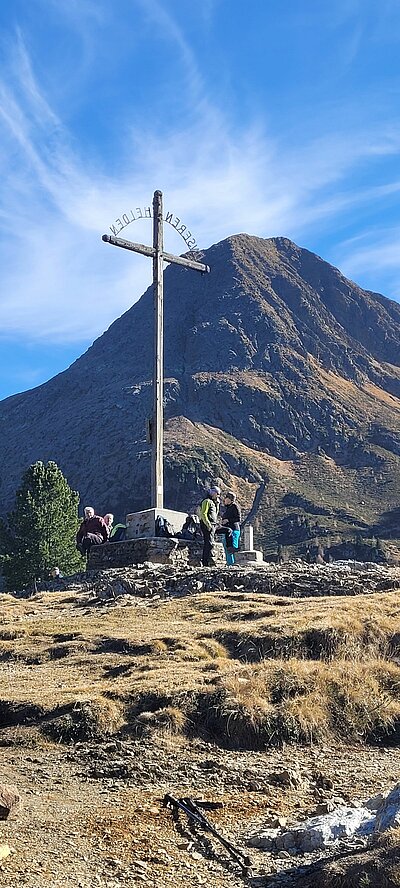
{"type": "Point", "coordinates": [95, 530]}
{"type": "Point", "coordinates": [226, 525]}
{"type": "Point", "coordinates": [210, 520]}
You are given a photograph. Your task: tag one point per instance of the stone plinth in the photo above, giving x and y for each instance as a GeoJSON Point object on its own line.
{"type": "Point", "coordinates": [143, 524]}
{"type": "Point", "coordinates": [254, 556]}
{"type": "Point", "coordinates": [247, 536]}
{"type": "Point", "coordinates": [159, 550]}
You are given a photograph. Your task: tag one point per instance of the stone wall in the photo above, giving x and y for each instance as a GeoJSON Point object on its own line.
{"type": "Point", "coordinates": [158, 550]}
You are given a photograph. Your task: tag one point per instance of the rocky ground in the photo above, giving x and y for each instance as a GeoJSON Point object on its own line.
{"type": "Point", "coordinates": [100, 681]}
{"type": "Point", "coordinates": [93, 814]}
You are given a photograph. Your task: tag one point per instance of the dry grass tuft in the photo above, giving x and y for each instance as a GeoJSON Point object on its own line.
{"type": "Point", "coordinates": [85, 720]}
{"type": "Point", "coordinates": [158, 646]}
{"type": "Point", "coordinates": [305, 701]}
{"type": "Point", "coordinates": [211, 648]}
{"type": "Point", "coordinates": [168, 720]}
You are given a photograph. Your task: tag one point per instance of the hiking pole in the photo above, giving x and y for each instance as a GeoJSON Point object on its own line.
{"type": "Point", "coordinates": [193, 813]}
{"type": "Point", "coordinates": [239, 855]}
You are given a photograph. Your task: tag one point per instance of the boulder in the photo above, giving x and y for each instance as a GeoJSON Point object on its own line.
{"type": "Point", "coordinates": [9, 800]}
{"type": "Point", "coordinates": [318, 832]}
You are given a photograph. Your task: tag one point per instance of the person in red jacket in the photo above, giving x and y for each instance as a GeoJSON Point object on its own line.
{"type": "Point", "coordinates": [92, 532]}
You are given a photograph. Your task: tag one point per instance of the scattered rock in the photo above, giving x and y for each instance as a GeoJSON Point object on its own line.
{"type": "Point", "coordinates": [5, 850]}
{"type": "Point", "coordinates": [325, 807]}
{"type": "Point", "coordinates": [290, 778]}
{"type": "Point", "coordinates": [375, 802]}
{"type": "Point", "coordinates": [322, 781]}
{"type": "Point", "coordinates": [265, 839]}
{"type": "Point", "coordinates": [9, 800]}
{"type": "Point", "coordinates": [277, 822]}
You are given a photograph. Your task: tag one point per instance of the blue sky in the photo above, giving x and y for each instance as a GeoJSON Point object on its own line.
{"type": "Point", "coordinates": [266, 117]}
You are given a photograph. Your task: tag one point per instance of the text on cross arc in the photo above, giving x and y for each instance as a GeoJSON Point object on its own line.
{"type": "Point", "coordinates": [147, 213]}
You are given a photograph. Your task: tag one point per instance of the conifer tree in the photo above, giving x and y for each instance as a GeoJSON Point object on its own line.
{"type": "Point", "coordinates": [42, 527]}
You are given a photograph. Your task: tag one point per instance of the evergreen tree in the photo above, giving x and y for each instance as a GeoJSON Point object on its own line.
{"type": "Point", "coordinates": [42, 527]}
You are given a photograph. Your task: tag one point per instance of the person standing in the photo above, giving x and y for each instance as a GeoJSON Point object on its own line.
{"type": "Point", "coordinates": [230, 526]}
{"type": "Point", "coordinates": [92, 532]}
{"type": "Point", "coordinates": [208, 514]}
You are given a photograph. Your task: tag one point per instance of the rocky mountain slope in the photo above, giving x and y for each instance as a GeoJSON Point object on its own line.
{"type": "Point", "coordinates": [282, 380]}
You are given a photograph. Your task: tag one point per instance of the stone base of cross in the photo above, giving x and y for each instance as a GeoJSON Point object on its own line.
{"type": "Point", "coordinates": [156, 252]}
{"type": "Point", "coordinates": [143, 524]}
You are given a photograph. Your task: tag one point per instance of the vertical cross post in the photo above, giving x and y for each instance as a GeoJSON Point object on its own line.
{"type": "Point", "coordinates": [157, 429]}
{"type": "Point", "coordinates": [157, 254]}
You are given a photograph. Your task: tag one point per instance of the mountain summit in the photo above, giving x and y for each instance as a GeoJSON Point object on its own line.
{"type": "Point", "coordinates": [282, 379]}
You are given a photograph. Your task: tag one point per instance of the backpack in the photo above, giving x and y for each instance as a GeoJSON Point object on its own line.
{"type": "Point", "coordinates": [163, 528]}
{"type": "Point", "coordinates": [120, 534]}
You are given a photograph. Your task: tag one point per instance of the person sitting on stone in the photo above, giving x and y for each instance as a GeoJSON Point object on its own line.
{"type": "Point", "coordinates": [92, 532]}
{"type": "Point", "coordinates": [230, 526]}
{"type": "Point", "coordinates": [208, 514]}
{"type": "Point", "coordinates": [108, 520]}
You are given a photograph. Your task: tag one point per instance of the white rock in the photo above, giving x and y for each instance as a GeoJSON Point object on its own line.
{"type": "Point", "coordinates": [317, 832]}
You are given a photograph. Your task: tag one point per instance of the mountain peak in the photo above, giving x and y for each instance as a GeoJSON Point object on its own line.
{"type": "Point", "coordinates": [273, 357]}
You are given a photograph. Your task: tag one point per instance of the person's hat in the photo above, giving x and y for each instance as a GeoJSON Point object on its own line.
{"type": "Point", "coordinates": [214, 490]}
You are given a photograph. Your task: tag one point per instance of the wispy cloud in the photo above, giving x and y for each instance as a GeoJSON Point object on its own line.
{"type": "Point", "coordinates": [168, 29]}
{"type": "Point", "coordinates": [372, 255]}
{"type": "Point", "coordinates": [59, 281]}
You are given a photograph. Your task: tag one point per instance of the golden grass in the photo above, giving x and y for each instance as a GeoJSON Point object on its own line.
{"type": "Point", "coordinates": [308, 701]}
{"type": "Point", "coordinates": [250, 671]}
{"type": "Point", "coordinates": [378, 393]}
{"type": "Point", "coordinates": [167, 720]}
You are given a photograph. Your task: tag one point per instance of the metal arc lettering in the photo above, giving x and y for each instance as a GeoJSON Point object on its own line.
{"type": "Point", "coordinates": [126, 218]}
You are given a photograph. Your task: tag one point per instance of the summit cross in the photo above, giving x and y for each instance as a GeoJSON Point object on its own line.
{"type": "Point", "coordinates": [156, 252]}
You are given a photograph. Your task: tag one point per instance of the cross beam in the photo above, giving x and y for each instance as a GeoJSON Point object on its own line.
{"type": "Point", "coordinates": [149, 251]}
{"type": "Point", "coordinates": [157, 254]}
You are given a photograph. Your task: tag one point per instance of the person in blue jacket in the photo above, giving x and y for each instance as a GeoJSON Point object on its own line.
{"type": "Point", "coordinates": [230, 526]}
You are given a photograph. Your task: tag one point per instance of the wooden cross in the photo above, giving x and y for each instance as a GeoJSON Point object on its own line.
{"type": "Point", "coordinates": [156, 252]}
